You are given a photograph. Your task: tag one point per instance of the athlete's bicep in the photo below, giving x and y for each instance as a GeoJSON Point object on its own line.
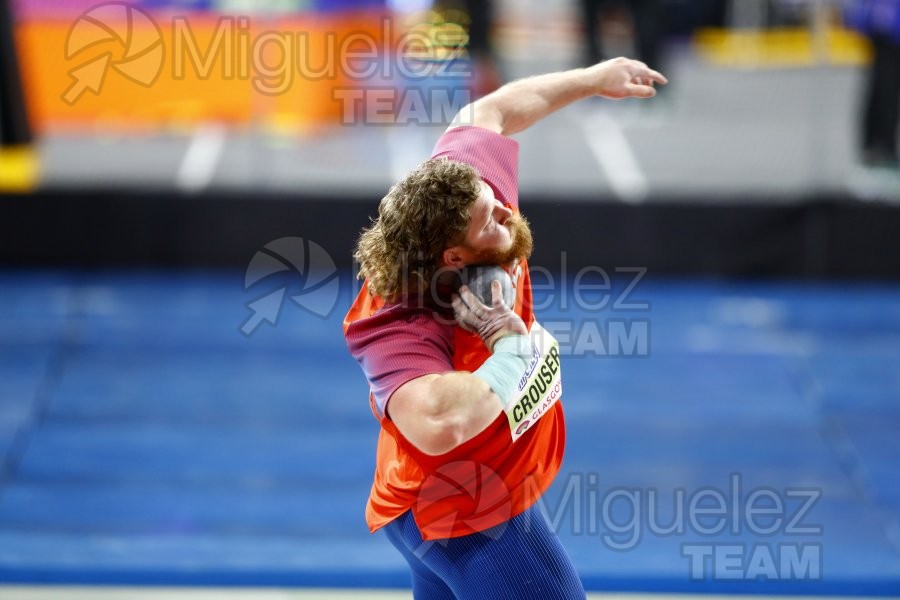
{"type": "Point", "coordinates": [436, 412]}
{"type": "Point", "coordinates": [410, 401]}
{"type": "Point", "coordinates": [413, 410]}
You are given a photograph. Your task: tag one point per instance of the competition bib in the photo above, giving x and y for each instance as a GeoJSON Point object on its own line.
{"type": "Point", "coordinates": [540, 385]}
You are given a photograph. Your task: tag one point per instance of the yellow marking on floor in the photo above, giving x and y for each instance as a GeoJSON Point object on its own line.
{"type": "Point", "coordinates": [781, 48]}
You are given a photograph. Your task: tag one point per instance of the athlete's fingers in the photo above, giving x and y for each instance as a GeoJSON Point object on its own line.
{"type": "Point", "coordinates": [463, 315]}
{"type": "Point", "coordinates": [475, 305]}
{"type": "Point", "coordinates": [458, 305]}
{"type": "Point", "coordinates": [645, 71]}
{"type": "Point", "coordinates": [655, 76]}
{"type": "Point", "coordinates": [497, 294]}
{"type": "Point", "coordinates": [641, 91]}
{"type": "Point", "coordinates": [462, 311]}
{"type": "Point", "coordinates": [457, 298]}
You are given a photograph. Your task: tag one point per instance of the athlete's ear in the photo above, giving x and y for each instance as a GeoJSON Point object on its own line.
{"type": "Point", "coordinates": [453, 257]}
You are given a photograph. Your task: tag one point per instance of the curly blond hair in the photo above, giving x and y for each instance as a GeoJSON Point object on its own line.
{"type": "Point", "coordinates": [418, 219]}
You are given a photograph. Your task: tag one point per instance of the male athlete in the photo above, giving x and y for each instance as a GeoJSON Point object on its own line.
{"type": "Point", "coordinates": [467, 393]}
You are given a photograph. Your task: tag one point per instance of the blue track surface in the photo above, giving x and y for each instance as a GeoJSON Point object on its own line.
{"type": "Point", "coordinates": [146, 440]}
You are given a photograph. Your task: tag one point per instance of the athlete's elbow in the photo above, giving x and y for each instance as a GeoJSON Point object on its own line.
{"type": "Point", "coordinates": [441, 437]}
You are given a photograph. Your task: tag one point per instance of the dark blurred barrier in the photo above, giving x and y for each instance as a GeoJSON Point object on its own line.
{"type": "Point", "coordinates": [14, 128]}
{"type": "Point", "coordinates": [821, 238]}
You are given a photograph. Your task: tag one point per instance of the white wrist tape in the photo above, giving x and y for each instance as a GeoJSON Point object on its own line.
{"type": "Point", "coordinates": [504, 368]}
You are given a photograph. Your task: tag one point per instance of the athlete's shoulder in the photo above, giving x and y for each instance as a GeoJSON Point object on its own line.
{"type": "Point", "coordinates": [399, 323]}
{"type": "Point", "coordinates": [494, 156]}
{"type": "Point", "coordinates": [468, 142]}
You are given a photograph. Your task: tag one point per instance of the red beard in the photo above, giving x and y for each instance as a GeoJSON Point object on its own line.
{"type": "Point", "coordinates": [522, 244]}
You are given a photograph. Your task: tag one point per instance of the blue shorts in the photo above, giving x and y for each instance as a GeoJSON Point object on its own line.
{"type": "Point", "coordinates": [519, 559]}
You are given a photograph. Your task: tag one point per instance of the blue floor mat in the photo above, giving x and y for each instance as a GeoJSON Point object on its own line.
{"type": "Point", "coordinates": [147, 440]}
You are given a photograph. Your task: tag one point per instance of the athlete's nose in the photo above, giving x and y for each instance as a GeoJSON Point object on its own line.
{"type": "Point", "coordinates": [501, 212]}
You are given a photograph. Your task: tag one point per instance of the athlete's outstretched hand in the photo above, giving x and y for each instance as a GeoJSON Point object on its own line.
{"type": "Point", "coordinates": [490, 322]}
{"type": "Point", "coordinates": [625, 78]}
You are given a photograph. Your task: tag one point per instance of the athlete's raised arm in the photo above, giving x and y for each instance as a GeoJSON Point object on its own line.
{"type": "Point", "coordinates": [520, 104]}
